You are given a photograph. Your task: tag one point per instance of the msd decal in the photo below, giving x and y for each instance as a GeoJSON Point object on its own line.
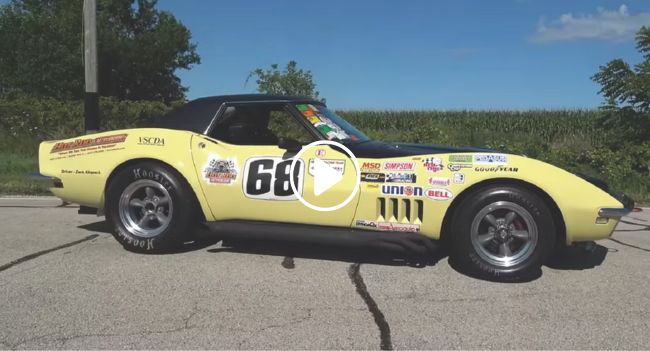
{"type": "Point", "coordinates": [402, 190]}
{"type": "Point", "coordinates": [439, 194]}
{"type": "Point", "coordinates": [399, 166]}
{"type": "Point", "coordinates": [371, 167]}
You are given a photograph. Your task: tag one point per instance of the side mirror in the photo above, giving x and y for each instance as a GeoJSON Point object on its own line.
{"type": "Point", "coordinates": [289, 144]}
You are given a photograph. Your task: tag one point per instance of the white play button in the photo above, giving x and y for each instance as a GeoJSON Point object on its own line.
{"type": "Point", "coordinates": [334, 183]}
{"type": "Point", "coordinates": [325, 176]}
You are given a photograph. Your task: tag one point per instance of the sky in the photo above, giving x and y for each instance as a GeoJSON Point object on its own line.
{"type": "Point", "coordinates": [416, 54]}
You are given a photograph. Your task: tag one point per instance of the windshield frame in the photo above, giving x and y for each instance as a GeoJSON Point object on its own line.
{"type": "Point", "coordinates": [362, 137]}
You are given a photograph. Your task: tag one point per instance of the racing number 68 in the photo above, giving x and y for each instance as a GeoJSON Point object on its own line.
{"type": "Point", "coordinates": [268, 178]}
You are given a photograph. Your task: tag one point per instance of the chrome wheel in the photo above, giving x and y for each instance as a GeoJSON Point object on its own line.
{"type": "Point", "coordinates": [145, 208]}
{"type": "Point", "coordinates": [504, 234]}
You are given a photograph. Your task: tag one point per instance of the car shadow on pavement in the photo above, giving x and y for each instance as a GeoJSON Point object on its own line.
{"type": "Point", "coordinates": [366, 255]}
{"type": "Point", "coordinates": [105, 228]}
{"type": "Point", "coordinates": [569, 258]}
{"type": "Point", "coordinates": [577, 258]}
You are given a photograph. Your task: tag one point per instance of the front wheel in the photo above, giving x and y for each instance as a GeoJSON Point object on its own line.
{"type": "Point", "coordinates": [150, 206]}
{"type": "Point", "coordinates": [502, 233]}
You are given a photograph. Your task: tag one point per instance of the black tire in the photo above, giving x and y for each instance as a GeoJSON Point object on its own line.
{"type": "Point", "coordinates": [178, 212]}
{"type": "Point", "coordinates": [480, 249]}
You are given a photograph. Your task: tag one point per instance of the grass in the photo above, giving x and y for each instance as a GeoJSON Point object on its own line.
{"type": "Point", "coordinates": [14, 175]}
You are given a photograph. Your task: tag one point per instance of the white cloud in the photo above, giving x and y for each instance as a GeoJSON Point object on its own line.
{"type": "Point", "coordinates": [614, 25]}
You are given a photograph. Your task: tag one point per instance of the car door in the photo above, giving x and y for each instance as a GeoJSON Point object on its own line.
{"type": "Point", "coordinates": [245, 174]}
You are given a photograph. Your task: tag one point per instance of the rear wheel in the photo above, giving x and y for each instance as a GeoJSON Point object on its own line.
{"type": "Point", "coordinates": [150, 206]}
{"type": "Point", "coordinates": [502, 233]}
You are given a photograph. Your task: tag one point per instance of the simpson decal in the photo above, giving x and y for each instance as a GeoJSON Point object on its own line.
{"type": "Point", "coordinates": [399, 166]}
{"type": "Point", "coordinates": [83, 143]}
{"type": "Point", "coordinates": [490, 159]}
{"type": "Point", "coordinates": [402, 190]}
{"type": "Point", "coordinates": [267, 178]}
{"type": "Point", "coordinates": [373, 177]}
{"type": "Point", "coordinates": [337, 165]}
{"type": "Point", "coordinates": [439, 194]}
{"type": "Point", "coordinates": [220, 171]}
{"type": "Point", "coordinates": [398, 227]}
{"type": "Point", "coordinates": [433, 164]}
{"type": "Point", "coordinates": [401, 178]}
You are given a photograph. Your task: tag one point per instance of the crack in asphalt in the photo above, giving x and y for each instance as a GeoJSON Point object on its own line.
{"type": "Point", "coordinates": [62, 341]}
{"type": "Point", "coordinates": [384, 329]}
{"type": "Point", "coordinates": [629, 245]}
{"type": "Point", "coordinates": [41, 253]}
{"type": "Point", "coordinates": [288, 263]}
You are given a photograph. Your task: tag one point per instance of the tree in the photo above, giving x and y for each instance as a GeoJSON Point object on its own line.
{"type": "Point", "coordinates": [626, 91]}
{"type": "Point", "coordinates": [139, 49]}
{"type": "Point", "coordinates": [291, 81]}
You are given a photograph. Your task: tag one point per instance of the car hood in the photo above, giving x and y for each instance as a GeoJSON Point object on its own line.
{"type": "Point", "coordinates": [379, 149]}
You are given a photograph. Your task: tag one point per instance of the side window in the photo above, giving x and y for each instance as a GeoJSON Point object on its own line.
{"type": "Point", "coordinates": [283, 125]}
{"type": "Point", "coordinates": [258, 125]}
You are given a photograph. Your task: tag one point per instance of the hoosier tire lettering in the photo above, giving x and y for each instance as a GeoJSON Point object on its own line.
{"type": "Point", "coordinates": [151, 207]}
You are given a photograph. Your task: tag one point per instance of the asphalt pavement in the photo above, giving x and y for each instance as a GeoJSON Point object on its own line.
{"type": "Point", "coordinates": [65, 283]}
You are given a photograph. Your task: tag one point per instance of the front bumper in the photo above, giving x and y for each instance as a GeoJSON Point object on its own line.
{"type": "Point", "coordinates": [628, 206]}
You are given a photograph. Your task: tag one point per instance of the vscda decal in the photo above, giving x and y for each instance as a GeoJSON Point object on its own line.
{"type": "Point", "coordinates": [267, 178]}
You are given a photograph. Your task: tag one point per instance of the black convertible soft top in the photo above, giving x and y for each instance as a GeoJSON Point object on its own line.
{"type": "Point", "coordinates": [196, 115]}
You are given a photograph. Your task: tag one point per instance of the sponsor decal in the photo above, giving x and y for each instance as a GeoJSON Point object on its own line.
{"type": "Point", "coordinates": [460, 158]}
{"type": "Point", "coordinates": [439, 194]}
{"type": "Point", "coordinates": [402, 190]}
{"type": "Point", "coordinates": [455, 167]}
{"type": "Point", "coordinates": [439, 181]}
{"type": "Point", "coordinates": [267, 178]}
{"type": "Point", "coordinates": [320, 153]}
{"type": "Point", "coordinates": [490, 159]}
{"type": "Point", "coordinates": [398, 227]}
{"type": "Point", "coordinates": [83, 143]}
{"type": "Point", "coordinates": [220, 171]}
{"type": "Point", "coordinates": [401, 178]}
{"type": "Point", "coordinates": [372, 186]}
{"type": "Point", "coordinates": [373, 177]}
{"type": "Point", "coordinates": [433, 164]}
{"type": "Point", "coordinates": [399, 166]}
{"type": "Point", "coordinates": [337, 165]}
{"type": "Point", "coordinates": [151, 141]}
{"type": "Point", "coordinates": [496, 169]}
{"type": "Point", "coordinates": [366, 223]}
{"type": "Point", "coordinates": [370, 166]}
{"type": "Point", "coordinates": [459, 178]}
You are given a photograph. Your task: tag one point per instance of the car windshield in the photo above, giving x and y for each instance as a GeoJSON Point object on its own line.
{"type": "Point", "coordinates": [330, 125]}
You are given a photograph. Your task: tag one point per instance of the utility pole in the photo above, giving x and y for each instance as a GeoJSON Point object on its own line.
{"type": "Point", "coordinates": [91, 97]}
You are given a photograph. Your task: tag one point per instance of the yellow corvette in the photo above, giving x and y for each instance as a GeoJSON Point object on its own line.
{"type": "Point", "coordinates": [245, 165]}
